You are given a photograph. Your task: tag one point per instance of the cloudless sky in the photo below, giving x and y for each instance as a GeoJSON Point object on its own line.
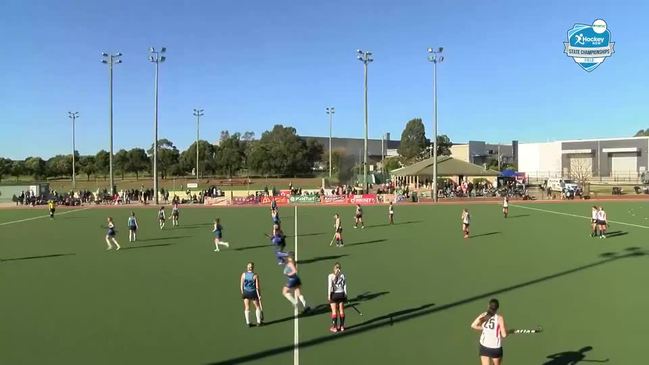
{"type": "Point", "coordinates": [253, 64]}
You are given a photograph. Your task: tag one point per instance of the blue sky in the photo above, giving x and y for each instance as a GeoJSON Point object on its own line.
{"type": "Point", "coordinates": [252, 64]}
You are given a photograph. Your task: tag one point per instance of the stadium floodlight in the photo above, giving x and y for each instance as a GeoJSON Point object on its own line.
{"type": "Point", "coordinates": [156, 58]}
{"type": "Point", "coordinates": [366, 58]}
{"type": "Point", "coordinates": [435, 56]}
{"type": "Point", "coordinates": [74, 117]}
{"type": "Point", "coordinates": [198, 113]}
{"type": "Point", "coordinates": [110, 60]}
{"type": "Point", "coordinates": [330, 111]}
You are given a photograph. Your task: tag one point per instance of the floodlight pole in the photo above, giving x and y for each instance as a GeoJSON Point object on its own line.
{"type": "Point", "coordinates": [366, 58]}
{"type": "Point", "coordinates": [73, 116]}
{"type": "Point", "coordinates": [156, 57]}
{"type": "Point", "coordinates": [435, 56]}
{"type": "Point", "coordinates": [198, 113]}
{"type": "Point", "coordinates": [110, 60]}
{"type": "Point", "coordinates": [330, 112]}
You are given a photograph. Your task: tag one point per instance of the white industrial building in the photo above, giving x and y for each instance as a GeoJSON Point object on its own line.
{"type": "Point", "coordinates": [612, 159]}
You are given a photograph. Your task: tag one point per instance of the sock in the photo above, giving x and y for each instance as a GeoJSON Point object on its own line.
{"type": "Point", "coordinates": [342, 320]}
{"type": "Point", "coordinates": [290, 298]}
{"type": "Point", "coordinates": [247, 315]}
{"type": "Point", "coordinates": [116, 244]}
{"type": "Point", "coordinates": [258, 315]}
{"type": "Point", "coordinates": [334, 320]}
{"type": "Point", "coordinates": [302, 300]}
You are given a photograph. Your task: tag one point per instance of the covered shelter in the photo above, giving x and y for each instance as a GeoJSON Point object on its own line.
{"type": "Point", "coordinates": [447, 167]}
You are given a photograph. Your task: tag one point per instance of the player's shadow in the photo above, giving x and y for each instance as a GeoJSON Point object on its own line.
{"type": "Point", "coordinates": [426, 310]}
{"type": "Point", "coordinates": [308, 234]}
{"type": "Point", "coordinates": [325, 308]}
{"type": "Point", "coordinates": [484, 234]}
{"type": "Point", "coordinates": [251, 247]}
{"type": "Point", "coordinates": [193, 226]}
{"type": "Point", "coordinates": [365, 242]}
{"type": "Point", "coordinates": [518, 216]}
{"type": "Point", "coordinates": [395, 224]}
{"type": "Point", "coordinates": [146, 246]}
{"type": "Point", "coordinates": [616, 234]}
{"type": "Point", "coordinates": [38, 257]}
{"type": "Point", "coordinates": [571, 357]}
{"type": "Point", "coordinates": [162, 238]}
{"type": "Point", "coordinates": [320, 258]}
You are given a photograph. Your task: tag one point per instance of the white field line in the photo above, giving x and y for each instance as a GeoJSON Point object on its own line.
{"type": "Point", "coordinates": [577, 216]}
{"type": "Point", "coordinates": [43, 216]}
{"type": "Point", "coordinates": [296, 326]}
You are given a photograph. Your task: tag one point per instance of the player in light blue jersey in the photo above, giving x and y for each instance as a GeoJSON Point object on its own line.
{"type": "Point", "coordinates": [132, 227]}
{"type": "Point", "coordinates": [251, 291]}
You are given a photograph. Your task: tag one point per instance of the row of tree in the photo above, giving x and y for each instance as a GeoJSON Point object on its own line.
{"type": "Point", "coordinates": [279, 151]}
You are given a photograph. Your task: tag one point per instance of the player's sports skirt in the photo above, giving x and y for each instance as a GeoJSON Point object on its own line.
{"type": "Point", "coordinates": [337, 298]}
{"type": "Point", "coordinates": [175, 214]}
{"type": "Point", "coordinates": [492, 353]}
{"type": "Point", "coordinates": [111, 233]}
{"type": "Point", "coordinates": [359, 216]}
{"type": "Point", "coordinates": [132, 228]}
{"type": "Point", "coordinates": [339, 230]}
{"type": "Point", "coordinates": [161, 219]}
{"type": "Point", "coordinates": [251, 295]}
{"type": "Point", "coordinates": [52, 211]}
{"type": "Point", "coordinates": [601, 222]}
{"type": "Point", "coordinates": [218, 235]}
{"type": "Point", "coordinates": [293, 282]}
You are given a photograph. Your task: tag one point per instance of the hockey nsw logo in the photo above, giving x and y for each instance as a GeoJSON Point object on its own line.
{"type": "Point", "coordinates": [589, 45]}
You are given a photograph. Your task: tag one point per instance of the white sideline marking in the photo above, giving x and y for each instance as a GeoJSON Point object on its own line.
{"type": "Point", "coordinates": [576, 216]}
{"type": "Point", "coordinates": [296, 327]}
{"type": "Point", "coordinates": [43, 216]}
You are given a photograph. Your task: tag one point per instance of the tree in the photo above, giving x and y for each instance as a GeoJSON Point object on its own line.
{"type": "Point", "coordinates": [444, 145]}
{"type": "Point", "coordinates": [5, 166]}
{"type": "Point", "coordinates": [230, 154]}
{"type": "Point", "coordinates": [36, 166]}
{"type": "Point", "coordinates": [281, 151]}
{"type": "Point", "coordinates": [392, 163]}
{"type": "Point", "coordinates": [137, 161]}
{"type": "Point", "coordinates": [581, 171]}
{"type": "Point", "coordinates": [87, 165]}
{"type": "Point", "coordinates": [168, 157]}
{"type": "Point", "coordinates": [121, 161]}
{"type": "Point", "coordinates": [59, 165]}
{"type": "Point", "coordinates": [17, 169]}
{"type": "Point", "coordinates": [413, 139]}
{"type": "Point", "coordinates": [102, 160]}
{"type": "Point", "coordinates": [642, 133]}
{"type": "Point", "coordinates": [206, 163]}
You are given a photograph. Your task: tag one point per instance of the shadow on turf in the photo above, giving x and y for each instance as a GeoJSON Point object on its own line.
{"type": "Point", "coordinates": [365, 242]}
{"type": "Point", "coordinates": [146, 246]}
{"type": "Point", "coordinates": [162, 238]}
{"type": "Point", "coordinates": [407, 314]}
{"type": "Point", "coordinates": [571, 357]}
{"type": "Point", "coordinates": [616, 234]}
{"type": "Point", "coordinates": [320, 258]}
{"type": "Point", "coordinates": [484, 234]}
{"type": "Point", "coordinates": [39, 257]}
{"type": "Point", "coordinates": [324, 308]}
{"type": "Point", "coordinates": [518, 216]}
{"type": "Point", "coordinates": [251, 247]}
{"type": "Point", "coordinates": [395, 224]}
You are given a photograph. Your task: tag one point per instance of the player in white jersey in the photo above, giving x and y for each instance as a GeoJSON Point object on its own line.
{"type": "Point", "coordinates": [493, 330]}
{"type": "Point", "coordinates": [506, 207]}
{"type": "Point", "coordinates": [175, 215]}
{"type": "Point", "coordinates": [593, 221]}
{"type": "Point", "coordinates": [337, 296]}
{"type": "Point", "coordinates": [161, 217]}
{"type": "Point", "coordinates": [390, 214]}
{"type": "Point", "coordinates": [602, 222]}
{"type": "Point", "coordinates": [466, 221]}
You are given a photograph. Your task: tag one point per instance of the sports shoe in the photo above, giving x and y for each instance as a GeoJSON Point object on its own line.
{"type": "Point", "coordinates": [341, 329]}
{"type": "Point", "coordinates": [333, 329]}
{"type": "Point", "coordinates": [249, 325]}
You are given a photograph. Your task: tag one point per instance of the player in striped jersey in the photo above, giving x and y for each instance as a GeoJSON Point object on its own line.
{"type": "Point", "coordinates": [602, 222]}
{"type": "Point", "coordinates": [593, 221]}
{"type": "Point", "coordinates": [132, 227]}
{"type": "Point", "coordinates": [493, 330]}
{"type": "Point", "coordinates": [506, 207]}
{"type": "Point", "coordinates": [175, 215]}
{"type": "Point", "coordinates": [337, 296]}
{"type": "Point", "coordinates": [251, 291]}
{"type": "Point", "coordinates": [466, 221]}
{"type": "Point", "coordinates": [161, 217]}
{"type": "Point", "coordinates": [390, 214]}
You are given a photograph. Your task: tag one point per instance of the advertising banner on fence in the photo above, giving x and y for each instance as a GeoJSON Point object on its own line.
{"type": "Point", "coordinates": [285, 192]}
{"type": "Point", "coordinates": [216, 201]}
{"type": "Point", "coordinates": [249, 200]}
{"type": "Point", "coordinates": [304, 199]}
{"type": "Point", "coordinates": [281, 200]}
{"type": "Point", "coordinates": [385, 198]}
{"type": "Point", "coordinates": [334, 199]}
{"type": "Point", "coordinates": [363, 199]}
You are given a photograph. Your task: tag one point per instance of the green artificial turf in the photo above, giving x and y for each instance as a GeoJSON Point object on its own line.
{"type": "Point", "coordinates": [169, 299]}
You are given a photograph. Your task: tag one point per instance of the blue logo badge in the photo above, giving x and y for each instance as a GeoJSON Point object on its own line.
{"type": "Point", "coordinates": [589, 45]}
